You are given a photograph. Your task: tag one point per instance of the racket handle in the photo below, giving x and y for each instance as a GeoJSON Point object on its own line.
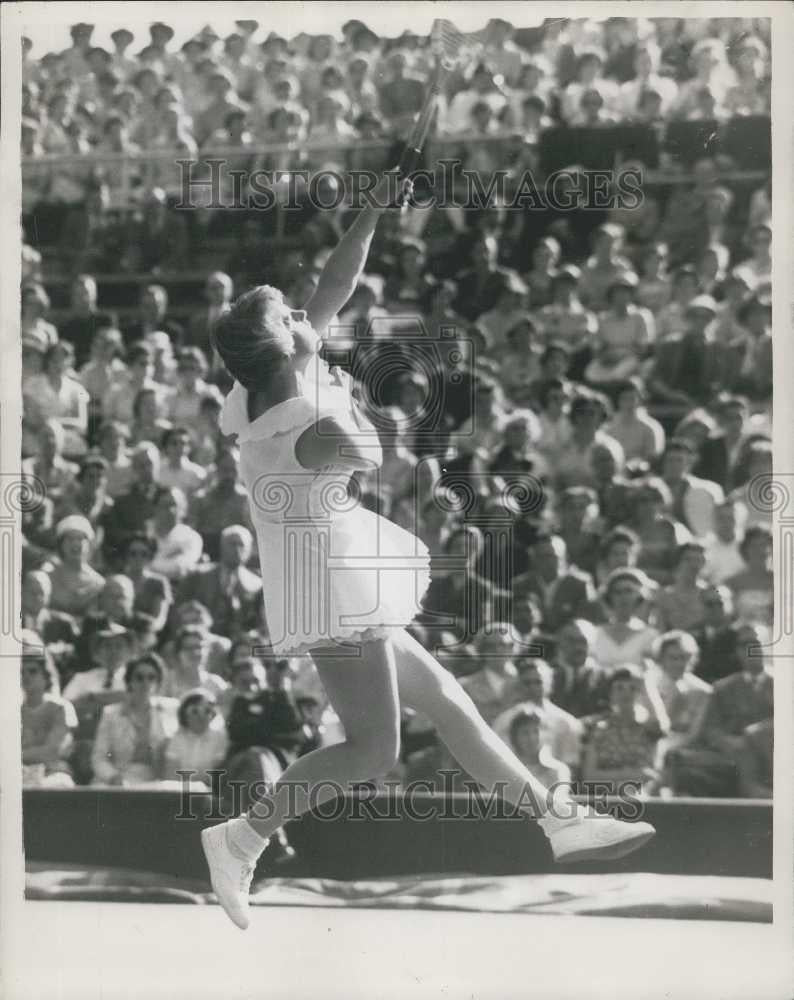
{"type": "Point", "coordinates": [409, 161]}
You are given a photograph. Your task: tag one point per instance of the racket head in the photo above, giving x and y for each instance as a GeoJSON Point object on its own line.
{"type": "Point", "coordinates": [447, 42]}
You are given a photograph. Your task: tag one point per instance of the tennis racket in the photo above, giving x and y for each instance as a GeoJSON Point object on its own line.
{"type": "Point", "coordinates": [446, 41]}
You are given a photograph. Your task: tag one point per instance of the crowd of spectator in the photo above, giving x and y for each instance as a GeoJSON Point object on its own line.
{"type": "Point", "coordinates": [577, 422]}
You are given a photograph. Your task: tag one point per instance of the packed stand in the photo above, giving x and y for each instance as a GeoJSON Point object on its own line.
{"type": "Point", "coordinates": [579, 426]}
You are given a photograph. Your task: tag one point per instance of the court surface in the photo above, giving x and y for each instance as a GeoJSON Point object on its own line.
{"type": "Point", "coordinates": [90, 950]}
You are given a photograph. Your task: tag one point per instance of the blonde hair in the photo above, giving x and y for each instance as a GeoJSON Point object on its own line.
{"type": "Point", "coordinates": [252, 338]}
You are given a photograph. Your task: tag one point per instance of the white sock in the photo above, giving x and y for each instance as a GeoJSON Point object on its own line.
{"type": "Point", "coordinates": [243, 840]}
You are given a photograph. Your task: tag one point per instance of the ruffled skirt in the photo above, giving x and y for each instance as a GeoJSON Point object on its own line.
{"type": "Point", "coordinates": [355, 577]}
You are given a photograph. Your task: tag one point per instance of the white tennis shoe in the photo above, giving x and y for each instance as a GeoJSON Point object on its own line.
{"type": "Point", "coordinates": [590, 837]}
{"type": "Point", "coordinates": [230, 876]}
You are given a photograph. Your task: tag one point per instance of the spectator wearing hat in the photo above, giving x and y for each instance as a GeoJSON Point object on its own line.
{"type": "Point", "coordinates": [75, 584]}
{"type": "Point", "coordinates": [638, 434]}
{"type": "Point", "coordinates": [562, 592]}
{"type": "Point", "coordinates": [133, 733]}
{"type": "Point", "coordinates": [121, 63]}
{"type": "Point", "coordinates": [625, 332]}
{"type": "Point", "coordinates": [228, 589]}
{"type": "Point", "coordinates": [161, 35]}
{"type": "Point", "coordinates": [626, 637]}
{"type": "Point", "coordinates": [691, 367]}
{"type": "Point", "coordinates": [48, 721]}
{"type": "Point", "coordinates": [201, 742]}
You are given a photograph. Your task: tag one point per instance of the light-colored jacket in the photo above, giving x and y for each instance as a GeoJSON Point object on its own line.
{"type": "Point", "coordinates": [115, 741]}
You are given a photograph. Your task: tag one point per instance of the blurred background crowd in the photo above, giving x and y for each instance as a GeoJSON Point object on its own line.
{"type": "Point", "coordinates": [575, 406]}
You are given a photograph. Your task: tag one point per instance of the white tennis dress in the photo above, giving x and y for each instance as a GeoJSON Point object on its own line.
{"type": "Point", "coordinates": [331, 569]}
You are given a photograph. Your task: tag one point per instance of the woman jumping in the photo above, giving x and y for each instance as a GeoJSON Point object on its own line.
{"type": "Point", "coordinates": [340, 582]}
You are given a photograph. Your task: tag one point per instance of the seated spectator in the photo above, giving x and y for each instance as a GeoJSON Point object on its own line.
{"type": "Point", "coordinates": [230, 591]}
{"type": "Point", "coordinates": [85, 319]}
{"type": "Point", "coordinates": [104, 370]}
{"type": "Point", "coordinates": [185, 401]}
{"type": "Point", "coordinates": [625, 332]}
{"type": "Point", "coordinates": [751, 495]}
{"type": "Point", "coordinates": [112, 438]}
{"type": "Point", "coordinates": [517, 465]}
{"type": "Point", "coordinates": [35, 305]}
{"type": "Point", "coordinates": [756, 761]}
{"type": "Point", "coordinates": [75, 584]}
{"type": "Point", "coordinates": [219, 291]}
{"type": "Point", "coordinates": [577, 519]}
{"type": "Point", "coordinates": [265, 731]}
{"type": "Point", "coordinates": [56, 394]}
{"type": "Point", "coordinates": [188, 665]}
{"type": "Point", "coordinates": [221, 503]}
{"type": "Point", "coordinates": [119, 403]}
{"type": "Point", "coordinates": [245, 674]}
{"type": "Point", "coordinates": [153, 595]}
{"type": "Point", "coordinates": [561, 592]}
{"type": "Point", "coordinates": [680, 605]}
{"type": "Point", "coordinates": [116, 601]}
{"type": "Point", "coordinates": [147, 422]}
{"type": "Point", "coordinates": [179, 547]}
{"type": "Point", "coordinates": [48, 721]}
{"type": "Point", "coordinates": [671, 318]}
{"type": "Point", "coordinates": [605, 265]}
{"type": "Point", "coordinates": [481, 88]}
{"type": "Point", "coordinates": [647, 61]}
{"type": "Point", "coordinates": [618, 550]}
{"type": "Point", "coordinates": [614, 491]}
{"type": "Point", "coordinates": [722, 455]}
{"type": "Point", "coordinates": [753, 587]}
{"type": "Point", "coordinates": [690, 368]}
{"type": "Point", "coordinates": [660, 535]}
{"type": "Point", "coordinates": [409, 283]}
{"type": "Point", "coordinates": [201, 742]}
{"type": "Point", "coordinates": [135, 508]}
{"type": "Point", "coordinates": [526, 740]}
{"type": "Point", "coordinates": [471, 445]}
{"type": "Point", "coordinates": [56, 475]}
{"type": "Point", "coordinates": [626, 637]}
{"type": "Point", "coordinates": [738, 701]}
{"type": "Point", "coordinates": [723, 559]}
{"type": "Point", "coordinates": [53, 627]}
{"type": "Point", "coordinates": [620, 744]}
{"type": "Point", "coordinates": [573, 464]}
{"type": "Point", "coordinates": [638, 434]}
{"type": "Point", "coordinates": [480, 286]}
{"type": "Point", "coordinates": [540, 278]}
{"type": "Point", "coordinates": [589, 66]}
{"type": "Point", "coordinates": [655, 288]}
{"type": "Point", "coordinates": [694, 500]}
{"type": "Point", "coordinates": [580, 682]}
{"type": "Point", "coordinates": [555, 428]}
{"type": "Point", "coordinates": [161, 237]}
{"type": "Point", "coordinates": [565, 319]}
{"type": "Point", "coordinates": [458, 597]}
{"type": "Point", "coordinates": [177, 471]}
{"type": "Point", "coordinates": [490, 687]}
{"type": "Point", "coordinates": [559, 730]}
{"type": "Point", "coordinates": [153, 316]}
{"type": "Point", "coordinates": [716, 638]}
{"type": "Point", "coordinates": [132, 734]}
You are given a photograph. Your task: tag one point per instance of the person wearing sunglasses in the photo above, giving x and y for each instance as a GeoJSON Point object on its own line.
{"type": "Point", "coordinates": [201, 742]}
{"type": "Point", "coordinates": [132, 734]}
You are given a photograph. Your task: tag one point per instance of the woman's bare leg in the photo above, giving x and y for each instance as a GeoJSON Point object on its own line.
{"type": "Point", "coordinates": [426, 686]}
{"type": "Point", "coordinates": [363, 692]}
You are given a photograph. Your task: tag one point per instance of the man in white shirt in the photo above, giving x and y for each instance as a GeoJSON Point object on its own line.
{"type": "Point", "coordinates": [179, 547]}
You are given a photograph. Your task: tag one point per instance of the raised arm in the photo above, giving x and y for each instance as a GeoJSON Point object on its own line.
{"type": "Point", "coordinates": [346, 264]}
